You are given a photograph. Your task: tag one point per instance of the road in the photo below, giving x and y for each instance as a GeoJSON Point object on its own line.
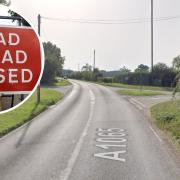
{"type": "Point", "coordinates": [92, 134]}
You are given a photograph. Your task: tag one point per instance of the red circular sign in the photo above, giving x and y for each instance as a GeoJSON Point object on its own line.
{"type": "Point", "coordinates": [20, 59]}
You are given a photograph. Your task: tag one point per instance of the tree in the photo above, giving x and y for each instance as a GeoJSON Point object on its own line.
{"type": "Point", "coordinates": [87, 73]}
{"type": "Point", "coordinates": [5, 2]}
{"type": "Point", "coordinates": [97, 74]}
{"type": "Point", "coordinates": [124, 70]}
{"type": "Point", "coordinates": [176, 63]}
{"type": "Point", "coordinates": [87, 67]}
{"type": "Point", "coordinates": [53, 63]}
{"type": "Point", "coordinates": [142, 68]}
{"type": "Point", "coordinates": [2, 2]}
{"type": "Point", "coordinates": [22, 21]}
{"type": "Point", "coordinates": [162, 75]}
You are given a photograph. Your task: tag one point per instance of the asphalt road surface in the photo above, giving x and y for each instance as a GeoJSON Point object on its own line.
{"type": "Point", "coordinates": [92, 134]}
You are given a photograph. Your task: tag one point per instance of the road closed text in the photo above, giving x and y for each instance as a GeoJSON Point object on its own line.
{"type": "Point", "coordinates": [20, 59]}
{"type": "Point", "coordinates": [17, 57]}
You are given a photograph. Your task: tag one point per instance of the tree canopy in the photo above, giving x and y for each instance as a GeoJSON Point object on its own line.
{"type": "Point", "coordinates": [142, 68]}
{"type": "Point", "coordinates": [176, 63]}
{"type": "Point", "coordinates": [53, 63]}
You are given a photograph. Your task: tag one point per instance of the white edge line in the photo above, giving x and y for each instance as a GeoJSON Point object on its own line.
{"type": "Point", "coordinates": [157, 136]}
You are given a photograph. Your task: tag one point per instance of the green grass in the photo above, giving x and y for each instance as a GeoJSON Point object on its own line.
{"type": "Point", "coordinates": [28, 110]}
{"type": "Point", "coordinates": [154, 88]}
{"type": "Point", "coordinates": [136, 92]}
{"type": "Point", "coordinates": [62, 82]}
{"type": "Point", "coordinates": [167, 117]}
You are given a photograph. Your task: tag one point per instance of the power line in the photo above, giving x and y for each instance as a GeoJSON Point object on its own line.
{"type": "Point", "coordinates": [111, 21]}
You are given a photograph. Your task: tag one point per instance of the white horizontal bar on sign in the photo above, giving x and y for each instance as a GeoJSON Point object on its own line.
{"type": "Point", "coordinates": [14, 92]}
{"type": "Point", "coordinates": [18, 27]}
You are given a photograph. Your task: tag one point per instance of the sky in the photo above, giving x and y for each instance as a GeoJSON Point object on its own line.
{"type": "Point", "coordinates": [116, 45]}
{"type": "Point", "coordinates": [4, 12]}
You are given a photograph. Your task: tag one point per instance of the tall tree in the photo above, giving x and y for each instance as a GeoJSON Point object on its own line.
{"type": "Point", "coordinates": [163, 75]}
{"type": "Point", "coordinates": [53, 63]}
{"type": "Point", "coordinates": [142, 68]}
{"type": "Point", "coordinates": [176, 63]}
{"type": "Point", "coordinates": [124, 70]}
{"type": "Point", "coordinates": [87, 67]}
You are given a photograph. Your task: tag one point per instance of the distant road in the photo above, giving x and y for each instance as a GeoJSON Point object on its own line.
{"type": "Point", "coordinates": [92, 134]}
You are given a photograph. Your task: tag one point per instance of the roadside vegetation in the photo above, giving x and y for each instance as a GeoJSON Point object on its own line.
{"type": "Point", "coordinates": [28, 110]}
{"type": "Point", "coordinates": [136, 92]}
{"type": "Point", "coordinates": [62, 82]}
{"type": "Point", "coordinates": [54, 62]}
{"type": "Point", "coordinates": [163, 77]}
{"type": "Point", "coordinates": [167, 118]}
{"type": "Point", "coordinates": [126, 86]}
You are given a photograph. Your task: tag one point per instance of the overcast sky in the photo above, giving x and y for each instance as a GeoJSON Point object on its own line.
{"type": "Point", "coordinates": [116, 45]}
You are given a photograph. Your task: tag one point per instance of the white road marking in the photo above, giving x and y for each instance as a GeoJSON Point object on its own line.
{"type": "Point", "coordinates": [66, 173]}
{"type": "Point", "coordinates": [111, 155]}
{"type": "Point", "coordinates": [113, 140]}
{"type": "Point", "coordinates": [138, 102]}
{"type": "Point", "coordinates": [157, 136]}
{"type": "Point", "coordinates": [74, 90]}
{"type": "Point", "coordinates": [138, 106]}
{"type": "Point", "coordinates": [106, 146]}
{"type": "Point", "coordinates": [110, 136]}
{"type": "Point", "coordinates": [103, 134]}
{"type": "Point", "coordinates": [113, 130]}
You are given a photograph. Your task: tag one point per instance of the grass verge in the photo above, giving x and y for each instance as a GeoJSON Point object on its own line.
{"type": "Point", "coordinates": [28, 110]}
{"type": "Point", "coordinates": [62, 82]}
{"type": "Point", "coordinates": [135, 92]}
{"type": "Point", "coordinates": [167, 118]}
{"type": "Point", "coordinates": [154, 88]}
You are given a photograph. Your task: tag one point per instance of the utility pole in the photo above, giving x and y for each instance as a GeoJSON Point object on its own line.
{"type": "Point", "coordinates": [38, 87]}
{"type": "Point", "coordinates": [152, 36]}
{"type": "Point", "coordinates": [94, 60]}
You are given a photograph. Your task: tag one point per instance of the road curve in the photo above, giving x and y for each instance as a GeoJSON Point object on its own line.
{"type": "Point", "coordinates": [92, 134]}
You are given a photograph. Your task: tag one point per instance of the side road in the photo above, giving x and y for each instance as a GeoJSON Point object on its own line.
{"type": "Point", "coordinates": [145, 104]}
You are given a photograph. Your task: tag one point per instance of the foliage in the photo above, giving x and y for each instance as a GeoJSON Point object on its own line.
{"type": "Point", "coordinates": [22, 21]}
{"type": "Point", "coordinates": [7, 3]}
{"type": "Point", "coordinates": [176, 63]}
{"type": "Point", "coordinates": [142, 69]}
{"type": "Point", "coordinates": [177, 84]}
{"type": "Point", "coordinates": [53, 63]}
{"type": "Point", "coordinates": [167, 117]}
{"type": "Point", "coordinates": [86, 73]}
{"type": "Point", "coordinates": [2, 1]}
{"type": "Point", "coordinates": [124, 70]}
{"type": "Point", "coordinates": [162, 75]}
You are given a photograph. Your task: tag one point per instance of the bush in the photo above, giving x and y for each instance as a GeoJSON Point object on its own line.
{"type": "Point", "coordinates": [167, 117]}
